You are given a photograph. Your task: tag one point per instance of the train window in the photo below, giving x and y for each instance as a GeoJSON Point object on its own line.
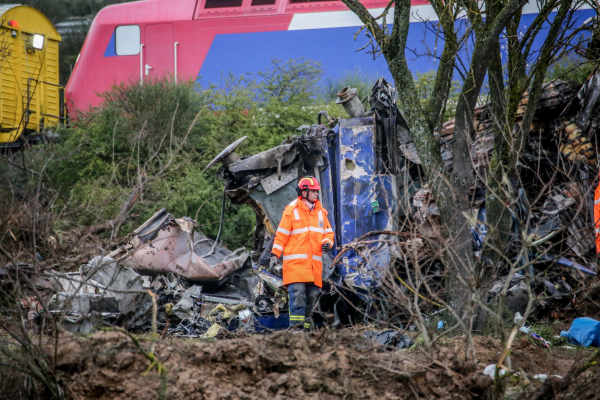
{"type": "Point", "coordinates": [263, 3]}
{"type": "Point", "coordinates": [223, 3]}
{"type": "Point", "coordinates": [307, 1]}
{"type": "Point", "coordinates": [127, 40]}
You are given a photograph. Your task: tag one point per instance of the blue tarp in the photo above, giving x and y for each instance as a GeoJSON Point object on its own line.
{"type": "Point", "coordinates": [584, 331]}
{"type": "Point", "coordinates": [271, 322]}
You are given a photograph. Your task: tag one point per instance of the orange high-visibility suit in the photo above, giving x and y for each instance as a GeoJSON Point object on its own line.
{"type": "Point", "coordinates": [300, 235]}
{"type": "Point", "coordinates": [597, 218]}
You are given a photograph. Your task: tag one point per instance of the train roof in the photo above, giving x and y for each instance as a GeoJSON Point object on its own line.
{"type": "Point", "coordinates": [156, 11]}
{"type": "Point", "coordinates": [148, 11]}
{"type": "Point", "coordinates": [28, 19]}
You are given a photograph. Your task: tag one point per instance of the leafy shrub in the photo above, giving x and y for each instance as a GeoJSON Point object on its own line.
{"type": "Point", "coordinates": [572, 67]}
{"type": "Point", "coordinates": [163, 135]}
{"type": "Point", "coordinates": [361, 80]}
{"type": "Point", "coordinates": [425, 84]}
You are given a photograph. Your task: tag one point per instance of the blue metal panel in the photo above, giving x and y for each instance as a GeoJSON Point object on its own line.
{"type": "Point", "coordinates": [356, 164]}
{"type": "Point", "coordinates": [270, 322]}
{"type": "Point", "coordinates": [359, 188]}
{"type": "Point", "coordinates": [327, 178]}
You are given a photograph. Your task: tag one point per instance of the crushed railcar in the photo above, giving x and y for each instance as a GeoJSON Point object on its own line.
{"type": "Point", "coordinates": [358, 162]}
{"type": "Point", "coordinates": [386, 226]}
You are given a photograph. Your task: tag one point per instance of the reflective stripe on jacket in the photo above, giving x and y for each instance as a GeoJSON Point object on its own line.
{"type": "Point", "coordinates": [300, 235]}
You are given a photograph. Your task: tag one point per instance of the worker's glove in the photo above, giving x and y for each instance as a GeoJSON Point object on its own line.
{"type": "Point", "coordinates": [326, 246]}
{"type": "Point", "coordinates": [273, 262]}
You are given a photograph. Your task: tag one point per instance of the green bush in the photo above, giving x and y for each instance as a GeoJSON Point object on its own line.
{"type": "Point", "coordinates": [364, 81]}
{"type": "Point", "coordinates": [151, 131]}
{"type": "Point", "coordinates": [425, 84]}
{"type": "Point", "coordinates": [361, 80]}
{"type": "Point", "coordinates": [572, 67]}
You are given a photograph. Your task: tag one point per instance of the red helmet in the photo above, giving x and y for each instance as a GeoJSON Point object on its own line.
{"type": "Point", "coordinates": [308, 183]}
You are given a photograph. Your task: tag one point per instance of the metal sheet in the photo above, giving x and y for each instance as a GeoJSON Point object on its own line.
{"type": "Point", "coordinates": [588, 96]}
{"type": "Point", "coordinates": [328, 196]}
{"type": "Point", "coordinates": [271, 322]}
{"type": "Point", "coordinates": [150, 227]}
{"type": "Point", "coordinates": [266, 159]}
{"type": "Point", "coordinates": [358, 187]}
{"type": "Point", "coordinates": [272, 182]}
{"type": "Point", "coordinates": [228, 150]}
{"type": "Point", "coordinates": [223, 300]}
{"type": "Point", "coordinates": [169, 248]}
{"type": "Point", "coordinates": [274, 204]}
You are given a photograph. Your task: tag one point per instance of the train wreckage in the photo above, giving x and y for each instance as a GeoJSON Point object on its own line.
{"type": "Point", "coordinates": [372, 184]}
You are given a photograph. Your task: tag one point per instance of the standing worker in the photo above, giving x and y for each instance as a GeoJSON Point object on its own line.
{"type": "Point", "coordinates": [303, 235]}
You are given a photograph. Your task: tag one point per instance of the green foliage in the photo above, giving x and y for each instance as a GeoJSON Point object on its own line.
{"type": "Point", "coordinates": [361, 80]}
{"type": "Point", "coordinates": [572, 67]}
{"type": "Point", "coordinates": [491, 327]}
{"type": "Point", "coordinates": [292, 82]}
{"type": "Point", "coordinates": [140, 115]}
{"type": "Point", "coordinates": [150, 131]}
{"type": "Point", "coordinates": [364, 83]}
{"type": "Point", "coordinates": [425, 84]}
{"type": "Point", "coordinates": [131, 129]}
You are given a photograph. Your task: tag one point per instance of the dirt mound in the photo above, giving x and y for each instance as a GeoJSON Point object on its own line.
{"type": "Point", "coordinates": [530, 357]}
{"type": "Point", "coordinates": [286, 365]}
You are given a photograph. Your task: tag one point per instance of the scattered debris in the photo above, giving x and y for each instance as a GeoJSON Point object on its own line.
{"type": "Point", "coordinates": [122, 283]}
{"type": "Point", "coordinates": [184, 309]}
{"type": "Point", "coordinates": [188, 328]}
{"type": "Point", "coordinates": [372, 178]}
{"type": "Point", "coordinates": [390, 339]}
{"type": "Point", "coordinates": [490, 371]}
{"type": "Point", "coordinates": [212, 331]}
{"type": "Point", "coordinates": [518, 318]}
{"type": "Point", "coordinates": [101, 292]}
{"type": "Point", "coordinates": [84, 303]}
{"type": "Point", "coordinates": [545, 343]}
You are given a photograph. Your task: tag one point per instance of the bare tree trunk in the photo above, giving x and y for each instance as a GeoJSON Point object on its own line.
{"type": "Point", "coordinates": [450, 193]}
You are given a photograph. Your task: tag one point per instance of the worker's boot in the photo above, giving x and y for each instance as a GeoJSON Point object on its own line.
{"type": "Point", "coordinates": [309, 326]}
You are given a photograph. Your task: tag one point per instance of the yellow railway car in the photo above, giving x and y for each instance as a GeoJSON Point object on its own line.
{"type": "Point", "coordinates": [31, 99]}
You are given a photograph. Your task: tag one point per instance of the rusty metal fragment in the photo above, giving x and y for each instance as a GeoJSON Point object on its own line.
{"type": "Point", "coordinates": [164, 244]}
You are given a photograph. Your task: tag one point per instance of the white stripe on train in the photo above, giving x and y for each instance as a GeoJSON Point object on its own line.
{"type": "Point", "coordinates": [343, 19]}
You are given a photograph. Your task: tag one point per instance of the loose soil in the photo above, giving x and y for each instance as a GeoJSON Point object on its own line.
{"type": "Point", "coordinates": [286, 365]}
